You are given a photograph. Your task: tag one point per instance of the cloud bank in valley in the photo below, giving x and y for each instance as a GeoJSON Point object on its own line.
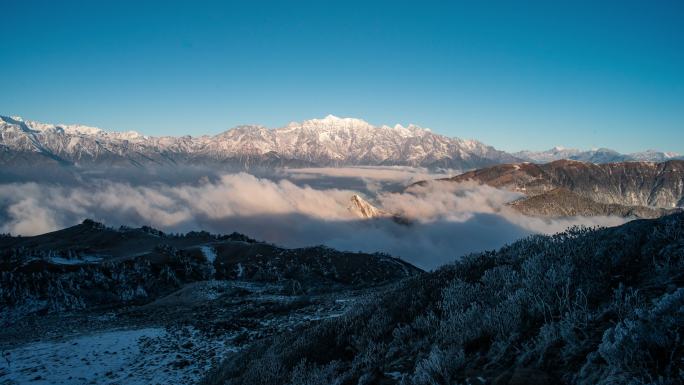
{"type": "Point", "coordinates": [366, 179]}
{"type": "Point", "coordinates": [448, 220]}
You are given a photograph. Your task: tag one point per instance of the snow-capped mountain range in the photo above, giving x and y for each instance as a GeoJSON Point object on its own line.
{"type": "Point", "coordinates": [331, 141]}
{"type": "Point", "coordinates": [599, 155]}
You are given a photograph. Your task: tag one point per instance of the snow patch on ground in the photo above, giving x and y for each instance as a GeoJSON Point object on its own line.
{"type": "Point", "coordinates": [139, 356]}
{"type": "Point", "coordinates": [195, 292]}
{"type": "Point", "coordinates": [74, 261]}
{"type": "Point", "coordinates": [209, 253]}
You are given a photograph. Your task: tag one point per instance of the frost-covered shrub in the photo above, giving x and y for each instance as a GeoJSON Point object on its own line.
{"type": "Point", "coordinates": [438, 368]}
{"type": "Point", "coordinates": [63, 287]}
{"type": "Point", "coordinates": [648, 345]}
{"type": "Point", "coordinates": [548, 282]}
{"type": "Point", "coordinates": [625, 301]}
{"type": "Point", "coordinates": [310, 374]}
{"type": "Point", "coordinates": [266, 371]}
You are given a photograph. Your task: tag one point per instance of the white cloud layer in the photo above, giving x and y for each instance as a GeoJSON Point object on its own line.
{"type": "Point", "coordinates": [401, 174]}
{"type": "Point", "coordinates": [449, 220]}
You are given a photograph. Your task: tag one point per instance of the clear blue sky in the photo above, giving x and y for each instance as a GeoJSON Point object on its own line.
{"type": "Point", "coordinates": [513, 74]}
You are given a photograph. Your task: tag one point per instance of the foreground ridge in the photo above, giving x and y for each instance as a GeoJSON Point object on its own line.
{"type": "Point", "coordinates": [93, 304]}
{"type": "Point", "coordinates": [599, 306]}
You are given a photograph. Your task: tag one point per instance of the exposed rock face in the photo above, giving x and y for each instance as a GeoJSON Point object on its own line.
{"type": "Point", "coordinates": [363, 209]}
{"type": "Point", "coordinates": [330, 141]}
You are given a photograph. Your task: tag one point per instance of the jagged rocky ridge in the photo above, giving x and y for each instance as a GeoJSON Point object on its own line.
{"type": "Point", "coordinates": [331, 141]}
{"type": "Point", "coordinates": [560, 188]}
{"type": "Point", "coordinates": [601, 306]}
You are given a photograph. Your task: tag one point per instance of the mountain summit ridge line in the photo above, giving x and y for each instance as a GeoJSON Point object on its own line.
{"type": "Point", "coordinates": [330, 141]}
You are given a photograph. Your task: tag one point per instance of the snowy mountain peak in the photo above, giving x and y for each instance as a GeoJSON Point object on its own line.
{"type": "Point", "coordinates": [81, 129]}
{"type": "Point", "coordinates": [331, 117]}
{"type": "Point", "coordinates": [130, 135]}
{"type": "Point", "coordinates": [335, 122]}
{"type": "Point", "coordinates": [336, 119]}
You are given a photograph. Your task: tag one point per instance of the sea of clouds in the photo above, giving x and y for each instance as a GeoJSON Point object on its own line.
{"type": "Point", "coordinates": [293, 208]}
